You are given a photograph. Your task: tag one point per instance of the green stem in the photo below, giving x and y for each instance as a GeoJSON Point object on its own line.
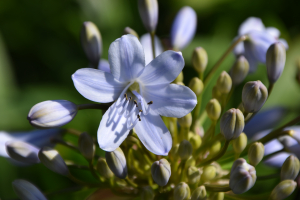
{"type": "Point", "coordinates": [196, 113]}
{"type": "Point", "coordinates": [174, 129]}
{"type": "Point", "coordinates": [67, 144]}
{"type": "Point", "coordinates": [213, 188]}
{"type": "Point", "coordinates": [75, 166]}
{"type": "Point", "coordinates": [267, 177]}
{"type": "Point", "coordinates": [270, 88]}
{"type": "Point", "coordinates": [73, 131]}
{"type": "Point", "coordinates": [103, 106]}
{"type": "Point", "coordinates": [92, 169]}
{"type": "Point", "coordinates": [182, 170]}
{"type": "Point", "coordinates": [130, 182]}
{"type": "Point", "coordinates": [153, 43]}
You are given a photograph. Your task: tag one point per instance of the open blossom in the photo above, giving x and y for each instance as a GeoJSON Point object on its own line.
{"type": "Point", "coordinates": [141, 95]}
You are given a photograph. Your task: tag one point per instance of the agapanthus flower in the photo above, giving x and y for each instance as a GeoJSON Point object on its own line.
{"type": "Point", "coordinates": [141, 95]}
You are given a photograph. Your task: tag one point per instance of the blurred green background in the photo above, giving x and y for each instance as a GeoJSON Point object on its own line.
{"type": "Point", "coordinates": [40, 50]}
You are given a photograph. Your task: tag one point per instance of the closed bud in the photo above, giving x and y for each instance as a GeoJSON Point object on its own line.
{"type": "Point", "coordinates": [213, 109]}
{"type": "Point", "coordinates": [240, 143]}
{"type": "Point", "coordinates": [283, 190]}
{"type": "Point", "coordinates": [199, 193]}
{"type": "Point", "coordinates": [199, 59]}
{"type": "Point", "coordinates": [193, 175]}
{"type": "Point", "coordinates": [27, 191]}
{"type": "Point", "coordinates": [148, 10]}
{"type": "Point", "coordinates": [147, 193]}
{"type": "Point", "coordinates": [22, 152]}
{"type": "Point", "coordinates": [254, 95]}
{"type": "Point", "coordinates": [181, 191]}
{"type": "Point", "coordinates": [232, 124]}
{"type": "Point", "coordinates": [195, 141]}
{"type": "Point", "coordinates": [196, 85]}
{"type": "Point", "coordinates": [51, 114]}
{"type": "Point", "coordinates": [129, 30]}
{"type": "Point", "coordinates": [275, 61]}
{"type": "Point", "coordinates": [216, 196]}
{"type": "Point", "coordinates": [185, 149]}
{"type": "Point", "coordinates": [190, 161]}
{"type": "Point", "coordinates": [242, 176]}
{"type": "Point", "coordinates": [174, 151]}
{"type": "Point", "coordinates": [224, 83]}
{"type": "Point", "coordinates": [185, 121]}
{"type": "Point", "coordinates": [179, 78]}
{"type": "Point", "coordinates": [216, 94]}
{"type": "Point", "coordinates": [91, 42]}
{"type": "Point", "coordinates": [214, 148]}
{"type": "Point", "coordinates": [239, 70]}
{"type": "Point", "coordinates": [53, 161]}
{"type": "Point", "coordinates": [117, 162]}
{"type": "Point", "coordinates": [86, 145]}
{"type": "Point", "coordinates": [256, 153]}
{"type": "Point", "coordinates": [290, 168]}
{"type": "Point", "coordinates": [209, 172]}
{"type": "Point", "coordinates": [161, 172]}
{"type": "Point", "coordinates": [103, 169]}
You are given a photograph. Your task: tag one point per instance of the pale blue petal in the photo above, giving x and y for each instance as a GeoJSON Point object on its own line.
{"type": "Point", "coordinates": [126, 58]}
{"type": "Point", "coordinates": [277, 160]}
{"type": "Point", "coordinates": [250, 24]}
{"type": "Point", "coordinates": [27, 191]}
{"type": "Point", "coordinates": [284, 42]}
{"type": "Point", "coordinates": [4, 137]}
{"type": "Point", "coordinates": [154, 134]}
{"type": "Point", "coordinates": [147, 45]}
{"type": "Point", "coordinates": [163, 69]}
{"type": "Point", "coordinates": [171, 101]}
{"type": "Point", "coordinates": [273, 31]}
{"type": "Point", "coordinates": [97, 85]}
{"type": "Point", "coordinates": [239, 48]}
{"type": "Point", "coordinates": [104, 65]}
{"type": "Point", "coordinates": [183, 28]}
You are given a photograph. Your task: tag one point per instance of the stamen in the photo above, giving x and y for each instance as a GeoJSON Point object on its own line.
{"type": "Point", "coordinates": [135, 102]}
{"type": "Point", "coordinates": [125, 95]}
{"type": "Point", "coordinates": [150, 102]}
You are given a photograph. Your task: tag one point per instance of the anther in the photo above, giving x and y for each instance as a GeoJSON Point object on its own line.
{"type": "Point", "coordinates": [150, 102]}
{"type": "Point", "coordinates": [138, 116]}
{"type": "Point", "coordinates": [130, 98]}
{"type": "Point", "coordinates": [135, 102]}
{"type": "Point", "coordinates": [140, 110]}
{"type": "Point", "coordinates": [125, 95]}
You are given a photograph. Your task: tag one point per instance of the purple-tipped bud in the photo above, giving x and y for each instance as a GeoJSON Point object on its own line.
{"type": "Point", "coordinates": [232, 124]}
{"type": "Point", "coordinates": [161, 172]}
{"type": "Point", "coordinates": [117, 162]}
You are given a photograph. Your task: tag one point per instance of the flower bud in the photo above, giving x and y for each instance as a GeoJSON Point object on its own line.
{"type": "Point", "coordinates": [161, 172]}
{"type": "Point", "coordinates": [22, 152]}
{"type": "Point", "coordinates": [86, 145]}
{"type": "Point", "coordinates": [185, 121]}
{"type": "Point", "coordinates": [199, 59]}
{"type": "Point", "coordinates": [254, 95]}
{"type": "Point", "coordinates": [181, 191]}
{"type": "Point", "coordinates": [196, 85]}
{"type": "Point", "coordinates": [256, 153]}
{"type": "Point", "coordinates": [148, 10]}
{"type": "Point", "coordinates": [117, 162]}
{"type": "Point", "coordinates": [179, 78]}
{"type": "Point", "coordinates": [240, 143]}
{"type": "Point", "coordinates": [193, 175]}
{"type": "Point", "coordinates": [209, 172]}
{"type": "Point", "coordinates": [290, 168]}
{"type": "Point", "coordinates": [232, 124]}
{"type": "Point", "coordinates": [147, 193]}
{"type": "Point", "coordinates": [27, 191]}
{"type": "Point", "coordinates": [195, 141]}
{"type": "Point", "coordinates": [275, 61]}
{"type": "Point", "coordinates": [185, 149]}
{"type": "Point", "coordinates": [224, 83]}
{"type": "Point", "coordinates": [216, 196]}
{"type": "Point", "coordinates": [53, 161]}
{"type": "Point", "coordinates": [214, 148]}
{"type": "Point", "coordinates": [103, 169]}
{"type": "Point", "coordinates": [91, 42]}
{"type": "Point", "coordinates": [283, 190]}
{"type": "Point", "coordinates": [190, 162]}
{"type": "Point", "coordinates": [216, 94]}
{"type": "Point", "coordinates": [239, 70]}
{"type": "Point", "coordinates": [213, 109]}
{"type": "Point", "coordinates": [129, 30]}
{"type": "Point", "coordinates": [199, 193]}
{"type": "Point", "coordinates": [50, 114]}
{"type": "Point", "coordinates": [242, 176]}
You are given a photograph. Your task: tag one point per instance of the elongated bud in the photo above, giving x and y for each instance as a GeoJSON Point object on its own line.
{"type": "Point", "coordinates": [53, 161]}
{"type": "Point", "coordinates": [199, 59]}
{"type": "Point", "coordinates": [179, 78]}
{"type": "Point", "coordinates": [240, 143]}
{"type": "Point", "coordinates": [290, 168]}
{"type": "Point", "coordinates": [22, 152]}
{"type": "Point", "coordinates": [117, 162]}
{"type": "Point", "coordinates": [239, 70]}
{"type": "Point", "coordinates": [254, 95]}
{"type": "Point", "coordinates": [196, 85]}
{"type": "Point", "coordinates": [232, 124]}
{"type": "Point", "coordinates": [103, 169]}
{"type": "Point", "coordinates": [242, 176]}
{"type": "Point", "coordinates": [216, 196]}
{"type": "Point", "coordinates": [213, 109]}
{"type": "Point", "coordinates": [283, 190]}
{"type": "Point", "coordinates": [91, 42]}
{"type": "Point", "coordinates": [86, 145]}
{"type": "Point", "coordinates": [161, 172]}
{"type": "Point", "coordinates": [214, 148]}
{"type": "Point", "coordinates": [224, 83]}
{"type": "Point", "coordinates": [199, 193]}
{"type": "Point", "coordinates": [185, 121]}
{"type": "Point", "coordinates": [195, 141]}
{"type": "Point", "coordinates": [181, 191]}
{"type": "Point", "coordinates": [276, 56]}
{"type": "Point", "coordinates": [129, 30]}
{"type": "Point", "coordinates": [147, 193]}
{"type": "Point", "coordinates": [185, 149]}
{"type": "Point", "coordinates": [51, 114]}
{"type": "Point", "coordinates": [148, 10]}
{"type": "Point", "coordinates": [193, 175]}
{"type": "Point", "coordinates": [216, 94]}
{"type": "Point", "coordinates": [256, 153]}
{"type": "Point", "coordinates": [209, 172]}
{"type": "Point", "coordinates": [27, 191]}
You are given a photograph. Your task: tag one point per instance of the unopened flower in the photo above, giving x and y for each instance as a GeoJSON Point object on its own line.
{"type": "Point", "coordinates": [199, 193]}
{"type": "Point", "coordinates": [290, 168]}
{"type": "Point", "coordinates": [148, 10]}
{"type": "Point", "coordinates": [86, 145]}
{"type": "Point", "coordinates": [129, 30]}
{"type": "Point", "coordinates": [196, 85]}
{"type": "Point", "coordinates": [182, 191]}
{"type": "Point", "coordinates": [240, 143]}
{"type": "Point", "coordinates": [199, 59]}
{"type": "Point", "coordinates": [103, 168]}
{"type": "Point", "coordinates": [283, 190]}
{"type": "Point", "coordinates": [117, 162]}
{"type": "Point", "coordinates": [142, 94]}
{"type": "Point", "coordinates": [193, 175]}
{"type": "Point", "coordinates": [161, 172]}
{"type": "Point", "coordinates": [239, 70]}
{"type": "Point", "coordinates": [27, 191]}
{"type": "Point", "coordinates": [185, 149]}
{"type": "Point", "coordinates": [232, 124]}
{"type": "Point", "coordinates": [224, 83]}
{"type": "Point", "coordinates": [22, 152]}
{"type": "Point", "coordinates": [213, 109]}
{"type": "Point", "coordinates": [147, 193]}
{"type": "Point", "coordinates": [256, 153]}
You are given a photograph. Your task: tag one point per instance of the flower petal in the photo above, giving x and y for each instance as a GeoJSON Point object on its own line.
{"type": "Point", "coordinates": [171, 101]}
{"type": "Point", "coordinates": [163, 69]}
{"type": "Point", "coordinates": [104, 65]}
{"type": "Point", "coordinates": [147, 45]}
{"type": "Point", "coordinates": [250, 24]}
{"type": "Point", "coordinates": [273, 31]}
{"type": "Point", "coordinates": [284, 42]}
{"type": "Point", "coordinates": [97, 85]}
{"type": "Point", "coordinates": [277, 160]}
{"type": "Point", "coordinates": [154, 134]}
{"type": "Point", "coordinates": [112, 130]}
{"type": "Point", "coordinates": [126, 58]}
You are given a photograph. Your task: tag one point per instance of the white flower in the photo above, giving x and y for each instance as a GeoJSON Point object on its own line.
{"type": "Point", "coordinates": [132, 85]}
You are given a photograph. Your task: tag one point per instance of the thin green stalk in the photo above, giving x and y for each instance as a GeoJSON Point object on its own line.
{"type": "Point", "coordinates": [153, 43]}
{"type": "Point", "coordinates": [130, 182]}
{"type": "Point", "coordinates": [92, 169]}
{"type": "Point", "coordinates": [214, 188]}
{"type": "Point", "coordinates": [64, 143]}
{"type": "Point", "coordinates": [267, 177]}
